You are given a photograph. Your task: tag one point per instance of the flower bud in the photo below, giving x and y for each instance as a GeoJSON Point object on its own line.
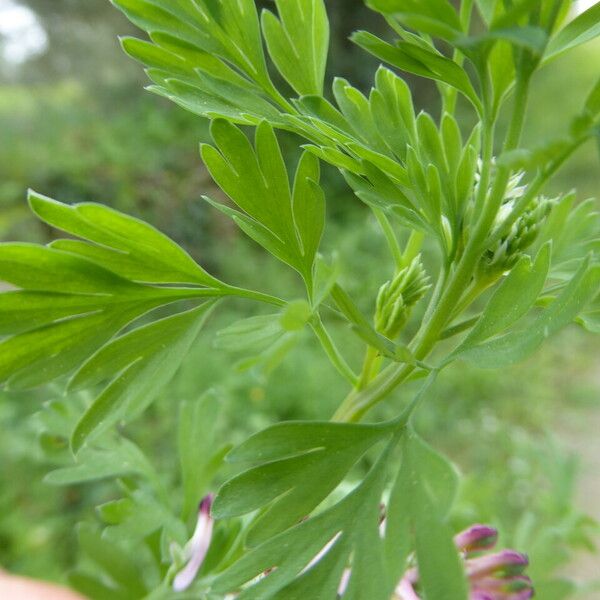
{"type": "Point", "coordinates": [504, 563]}
{"type": "Point", "coordinates": [506, 252]}
{"type": "Point", "coordinates": [396, 298]}
{"type": "Point", "coordinates": [476, 538]}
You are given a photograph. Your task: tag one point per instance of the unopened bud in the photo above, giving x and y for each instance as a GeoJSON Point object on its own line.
{"type": "Point", "coordinates": [506, 252]}
{"type": "Point", "coordinates": [504, 563]}
{"type": "Point", "coordinates": [476, 538]}
{"type": "Point", "coordinates": [396, 298]}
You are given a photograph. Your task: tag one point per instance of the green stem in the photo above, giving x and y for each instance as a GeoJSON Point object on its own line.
{"type": "Point", "coordinates": [334, 355]}
{"type": "Point", "coordinates": [358, 403]}
{"type": "Point", "coordinates": [413, 247]}
{"type": "Point", "coordinates": [459, 328]}
{"type": "Point", "coordinates": [370, 367]}
{"type": "Point", "coordinates": [390, 237]}
{"type": "Point", "coordinates": [252, 295]}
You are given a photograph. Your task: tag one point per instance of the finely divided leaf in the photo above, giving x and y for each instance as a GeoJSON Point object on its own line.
{"type": "Point", "coordinates": [435, 17]}
{"type": "Point", "coordinates": [124, 245]}
{"type": "Point", "coordinates": [517, 345]}
{"type": "Point", "coordinates": [515, 296]}
{"type": "Point", "coordinates": [288, 480]}
{"type": "Point", "coordinates": [320, 547]}
{"type": "Point", "coordinates": [423, 493]}
{"type": "Point", "coordinates": [288, 224]}
{"type": "Point", "coordinates": [298, 42]}
{"type": "Point", "coordinates": [138, 363]}
{"type": "Point", "coordinates": [424, 62]}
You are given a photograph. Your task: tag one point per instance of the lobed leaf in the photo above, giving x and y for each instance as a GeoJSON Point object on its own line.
{"type": "Point", "coordinates": [287, 481]}
{"type": "Point", "coordinates": [288, 223]}
{"type": "Point", "coordinates": [414, 59]}
{"type": "Point", "coordinates": [322, 547]}
{"type": "Point", "coordinates": [139, 364]}
{"type": "Point", "coordinates": [298, 43]}
{"type": "Point", "coordinates": [435, 17]}
{"type": "Point", "coordinates": [517, 345]}
{"type": "Point", "coordinates": [515, 296]}
{"type": "Point", "coordinates": [126, 246]}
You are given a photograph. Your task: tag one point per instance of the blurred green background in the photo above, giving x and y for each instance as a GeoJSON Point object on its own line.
{"type": "Point", "coordinates": [76, 125]}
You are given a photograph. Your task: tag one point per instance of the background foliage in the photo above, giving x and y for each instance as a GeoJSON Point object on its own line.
{"type": "Point", "coordinates": [76, 126]}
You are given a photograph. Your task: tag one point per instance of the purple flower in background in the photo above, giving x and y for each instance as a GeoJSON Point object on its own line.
{"type": "Point", "coordinates": [476, 538]}
{"type": "Point", "coordinates": [497, 576]}
{"type": "Point", "coordinates": [195, 550]}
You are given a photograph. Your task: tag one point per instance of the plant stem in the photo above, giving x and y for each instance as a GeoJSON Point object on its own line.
{"type": "Point", "coordinates": [358, 403]}
{"type": "Point", "coordinates": [252, 295]}
{"type": "Point", "coordinates": [390, 237]}
{"type": "Point", "coordinates": [413, 247]}
{"type": "Point", "coordinates": [334, 355]}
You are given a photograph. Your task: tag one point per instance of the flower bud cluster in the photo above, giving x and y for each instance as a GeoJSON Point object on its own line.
{"type": "Point", "coordinates": [491, 576]}
{"type": "Point", "coordinates": [505, 253]}
{"type": "Point", "coordinates": [396, 298]}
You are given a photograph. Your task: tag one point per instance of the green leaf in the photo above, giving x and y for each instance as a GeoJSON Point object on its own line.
{"type": "Point", "coordinates": [393, 112]}
{"type": "Point", "coordinates": [287, 481]}
{"type": "Point", "coordinates": [197, 437]}
{"type": "Point", "coordinates": [213, 98]}
{"type": "Point", "coordinates": [364, 329]}
{"type": "Point", "coordinates": [77, 295]}
{"type": "Point", "coordinates": [257, 232]}
{"type": "Point", "coordinates": [233, 35]}
{"type": "Point", "coordinates": [40, 355]}
{"type": "Point", "coordinates": [582, 29]}
{"type": "Point", "coordinates": [253, 333]}
{"type": "Point", "coordinates": [379, 191]}
{"type": "Point", "coordinates": [124, 245]}
{"type": "Point", "coordinates": [37, 268]}
{"type": "Point", "coordinates": [515, 296]}
{"type": "Point", "coordinates": [439, 477]}
{"type": "Point", "coordinates": [308, 205]}
{"type": "Point", "coordinates": [298, 43]}
{"type": "Point", "coordinates": [436, 17]}
{"type": "Point", "coordinates": [178, 57]}
{"type": "Point", "coordinates": [295, 315]}
{"type": "Point", "coordinates": [574, 231]}
{"type": "Point", "coordinates": [425, 63]}
{"type": "Point", "coordinates": [114, 561]}
{"type": "Point", "coordinates": [138, 363]}
{"type": "Point", "coordinates": [452, 142]}
{"type": "Point", "coordinates": [122, 457]}
{"type": "Point", "coordinates": [592, 102]}
{"type": "Point", "coordinates": [523, 36]}
{"type": "Point", "coordinates": [322, 545]}
{"type": "Point", "coordinates": [423, 493]}
{"type": "Point", "coordinates": [517, 345]}
{"type": "Point", "coordinates": [237, 170]}
{"type": "Point", "coordinates": [357, 111]}
{"type": "Point", "coordinates": [487, 9]}
{"type": "Point", "coordinates": [287, 224]}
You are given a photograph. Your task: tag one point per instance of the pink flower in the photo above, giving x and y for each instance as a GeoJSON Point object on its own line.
{"type": "Point", "coordinates": [195, 550]}
{"type": "Point", "coordinates": [497, 576]}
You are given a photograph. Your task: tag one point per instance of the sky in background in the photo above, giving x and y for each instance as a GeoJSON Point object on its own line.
{"type": "Point", "coordinates": [22, 35]}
